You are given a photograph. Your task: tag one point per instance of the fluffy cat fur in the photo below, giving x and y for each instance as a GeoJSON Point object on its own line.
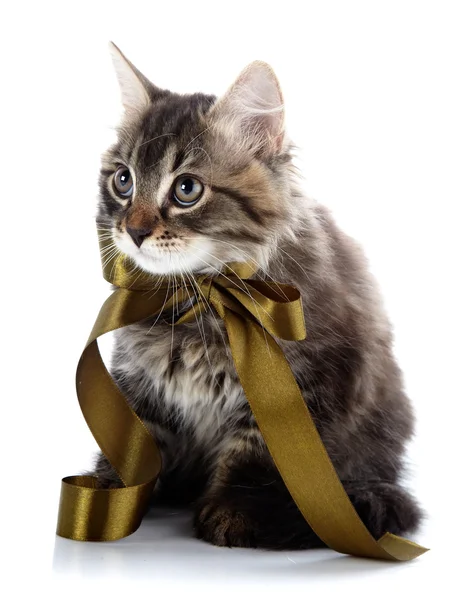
{"type": "Point", "coordinates": [182, 381]}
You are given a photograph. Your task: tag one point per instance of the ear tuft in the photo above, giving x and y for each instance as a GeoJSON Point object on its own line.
{"type": "Point", "coordinates": [136, 90]}
{"type": "Point", "coordinates": [253, 109]}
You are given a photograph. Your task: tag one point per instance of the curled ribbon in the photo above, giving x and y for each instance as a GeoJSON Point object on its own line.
{"type": "Point", "coordinates": [254, 313]}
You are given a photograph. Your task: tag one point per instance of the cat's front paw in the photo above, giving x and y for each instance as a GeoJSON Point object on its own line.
{"type": "Point", "coordinates": [102, 483]}
{"type": "Point", "coordinates": [105, 475]}
{"type": "Point", "coordinates": [222, 525]}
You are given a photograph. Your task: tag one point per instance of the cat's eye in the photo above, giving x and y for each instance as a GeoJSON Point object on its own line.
{"type": "Point", "coordinates": [123, 182]}
{"type": "Point", "coordinates": [187, 190]}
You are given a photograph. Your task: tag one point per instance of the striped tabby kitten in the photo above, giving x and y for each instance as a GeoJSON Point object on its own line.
{"type": "Point", "coordinates": [194, 183]}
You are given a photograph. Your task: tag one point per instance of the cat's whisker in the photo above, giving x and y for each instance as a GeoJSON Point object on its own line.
{"type": "Point", "coordinates": [194, 284]}
{"type": "Point", "coordinates": [138, 270]}
{"type": "Point", "coordinates": [106, 255]}
{"type": "Point", "coordinates": [210, 161]}
{"type": "Point", "coordinates": [256, 304]}
{"type": "Point", "coordinates": [196, 298]}
{"type": "Point", "coordinates": [258, 265]}
{"type": "Point", "coordinates": [114, 265]}
{"type": "Point", "coordinates": [156, 138]}
{"type": "Point", "coordinates": [106, 249]}
{"type": "Point", "coordinates": [112, 243]}
{"type": "Point", "coordinates": [162, 306]}
{"type": "Point", "coordinates": [199, 319]}
{"type": "Point", "coordinates": [196, 137]}
{"type": "Point", "coordinates": [114, 260]}
{"type": "Point", "coordinates": [157, 286]}
{"type": "Point", "coordinates": [245, 290]}
{"type": "Point", "coordinates": [211, 309]}
{"type": "Point", "coordinates": [295, 261]}
{"type": "Point", "coordinates": [114, 254]}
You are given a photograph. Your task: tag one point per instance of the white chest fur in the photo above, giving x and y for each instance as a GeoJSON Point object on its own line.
{"type": "Point", "coordinates": [188, 368]}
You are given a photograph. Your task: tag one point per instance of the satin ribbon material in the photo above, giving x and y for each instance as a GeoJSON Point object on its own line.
{"type": "Point", "coordinates": [254, 313]}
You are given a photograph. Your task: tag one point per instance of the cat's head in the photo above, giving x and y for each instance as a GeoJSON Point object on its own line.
{"type": "Point", "coordinates": [194, 182]}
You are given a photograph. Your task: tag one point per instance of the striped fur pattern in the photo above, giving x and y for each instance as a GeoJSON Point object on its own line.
{"type": "Point", "coordinates": [182, 381]}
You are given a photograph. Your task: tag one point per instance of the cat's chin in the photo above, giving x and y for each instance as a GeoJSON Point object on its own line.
{"type": "Point", "coordinates": [199, 260]}
{"type": "Point", "coordinates": [172, 264]}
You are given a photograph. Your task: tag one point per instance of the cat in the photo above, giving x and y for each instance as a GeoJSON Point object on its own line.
{"type": "Point", "coordinates": [193, 183]}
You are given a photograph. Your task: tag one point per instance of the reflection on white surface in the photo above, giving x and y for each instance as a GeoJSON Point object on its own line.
{"type": "Point", "coordinates": [164, 548]}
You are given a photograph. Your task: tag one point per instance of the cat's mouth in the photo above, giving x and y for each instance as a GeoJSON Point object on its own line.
{"type": "Point", "coordinates": [155, 259]}
{"type": "Point", "coordinates": [170, 257]}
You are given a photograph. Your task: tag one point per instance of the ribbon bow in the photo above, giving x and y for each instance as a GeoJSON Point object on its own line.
{"type": "Point", "coordinates": [254, 313]}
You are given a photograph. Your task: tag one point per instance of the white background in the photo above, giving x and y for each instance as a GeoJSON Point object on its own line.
{"type": "Point", "coordinates": [366, 88]}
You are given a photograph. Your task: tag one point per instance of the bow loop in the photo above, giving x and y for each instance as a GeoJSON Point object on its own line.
{"type": "Point", "coordinates": [276, 307]}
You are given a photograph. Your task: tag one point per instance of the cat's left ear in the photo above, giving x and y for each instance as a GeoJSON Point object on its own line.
{"type": "Point", "coordinates": [252, 110]}
{"type": "Point", "coordinates": [137, 92]}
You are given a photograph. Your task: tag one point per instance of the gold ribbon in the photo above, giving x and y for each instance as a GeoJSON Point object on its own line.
{"type": "Point", "coordinates": [254, 314]}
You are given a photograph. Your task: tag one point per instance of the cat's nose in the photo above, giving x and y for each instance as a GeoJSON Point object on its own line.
{"type": "Point", "coordinates": [138, 235]}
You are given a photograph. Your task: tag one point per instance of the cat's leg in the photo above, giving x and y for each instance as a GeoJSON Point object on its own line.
{"type": "Point", "coordinates": [105, 473]}
{"type": "Point", "coordinates": [182, 477]}
{"type": "Point", "coordinates": [107, 477]}
{"type": "Point", "coordinates": [247, 504]}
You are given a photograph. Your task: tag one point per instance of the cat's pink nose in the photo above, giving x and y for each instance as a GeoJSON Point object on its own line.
{"type": "Point", "coordinates": [138, 235]}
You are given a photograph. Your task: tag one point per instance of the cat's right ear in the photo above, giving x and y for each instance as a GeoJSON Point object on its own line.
{"type": "Point", "coordinates": [136, 91]}
{"type": "Point", "coordinates": [252, 111]}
